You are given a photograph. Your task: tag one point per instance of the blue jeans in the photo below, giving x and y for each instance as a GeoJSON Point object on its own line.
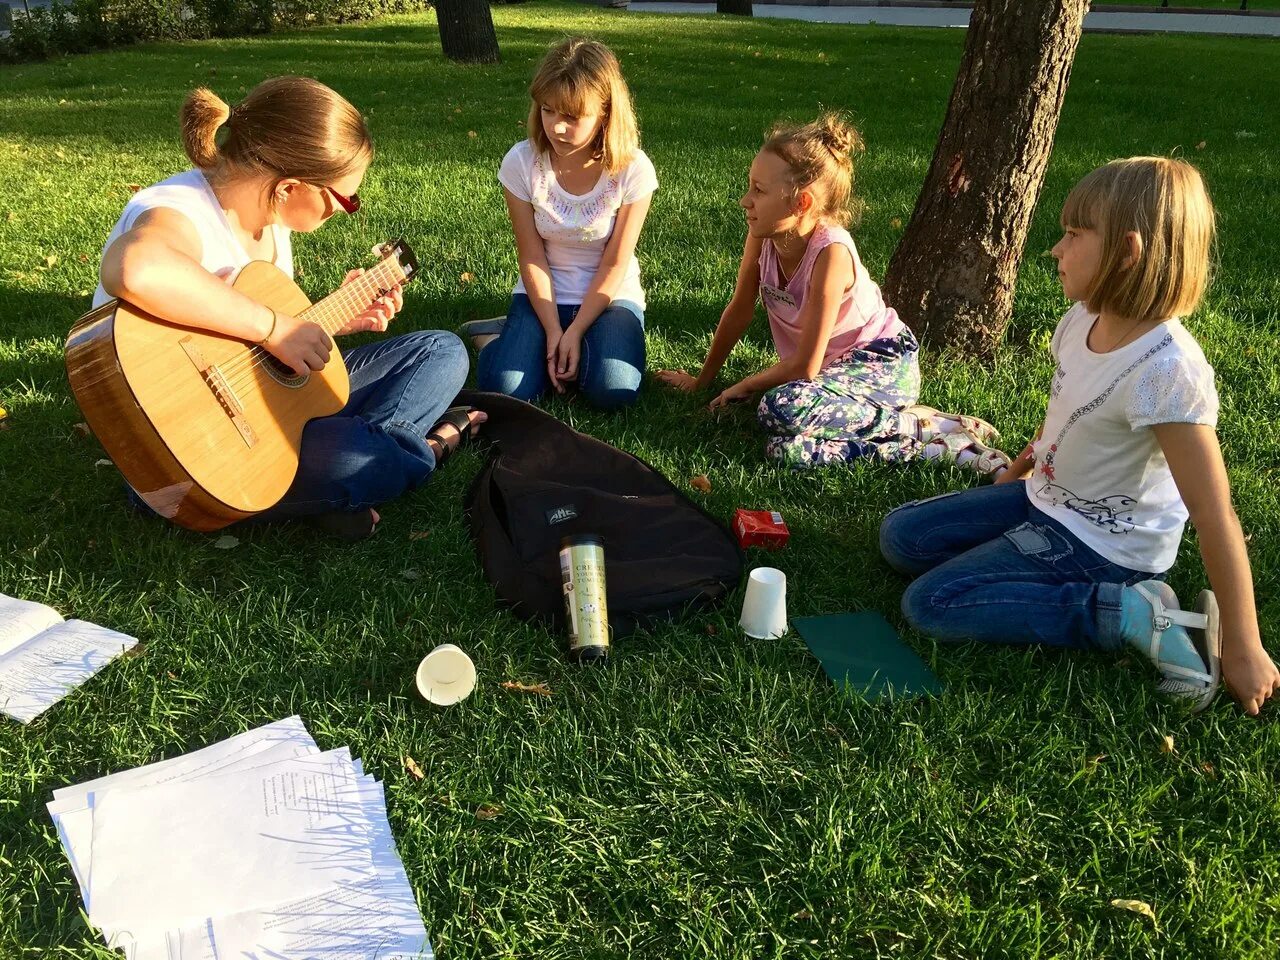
{"type": "Point", "coordinates": [375, 448]}
{"type": "Point", "coordinates": [609, 370]}
{"type": "Point", "coordinates": [989, 566]}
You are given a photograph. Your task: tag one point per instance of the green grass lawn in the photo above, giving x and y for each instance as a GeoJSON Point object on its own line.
{"type": "Point", "coordinates": [706, 795]}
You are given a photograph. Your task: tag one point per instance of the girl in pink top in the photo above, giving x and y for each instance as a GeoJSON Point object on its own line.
{"type": "Point", "coordinates": [847, 378]}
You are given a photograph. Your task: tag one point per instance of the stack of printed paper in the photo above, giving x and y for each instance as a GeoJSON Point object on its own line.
{"type": "Point", "coordinates": [259, 846]}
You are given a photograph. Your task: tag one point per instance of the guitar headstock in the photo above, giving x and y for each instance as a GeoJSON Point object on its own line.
{"type": "Point", "coordinates": [403, 255]}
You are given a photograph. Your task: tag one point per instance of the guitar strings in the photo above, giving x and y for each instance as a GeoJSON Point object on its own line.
{"type": "Point", "coordinates": [336, 308]}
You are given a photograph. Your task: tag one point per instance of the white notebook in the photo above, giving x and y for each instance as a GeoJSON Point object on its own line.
{"type": "Point", "coordinates": [43, 657]}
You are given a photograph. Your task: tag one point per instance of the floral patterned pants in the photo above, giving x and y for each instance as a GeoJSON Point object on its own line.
{"type": "Point", "coordinates": [851, 409]}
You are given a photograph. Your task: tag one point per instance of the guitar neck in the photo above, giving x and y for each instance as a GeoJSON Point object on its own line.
{"type": "Point", "coordinates": [352, 299]}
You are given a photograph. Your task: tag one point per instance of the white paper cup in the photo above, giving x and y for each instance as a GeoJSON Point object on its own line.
{"type": "Point", "coordinates": [764, 608]}
{"type": "Point", "coordinates": [446, 675]}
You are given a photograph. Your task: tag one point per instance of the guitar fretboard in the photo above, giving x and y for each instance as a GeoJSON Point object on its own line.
{"type": "Point", "coordinates": [351, 299]}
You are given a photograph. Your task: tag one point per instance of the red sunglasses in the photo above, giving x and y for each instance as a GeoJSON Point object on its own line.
{"type": "Point", "coordinates": [350, 204]}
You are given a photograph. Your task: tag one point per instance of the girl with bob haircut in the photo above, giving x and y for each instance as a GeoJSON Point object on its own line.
{"type": "Point", "coordinates": [577, 192]}
{"type": "Point", "coordinates": [1071, 546]}
{"type": "Point", "coordinates": [285, 159]}
{"type": "Point", "coordinates": [847, 377]}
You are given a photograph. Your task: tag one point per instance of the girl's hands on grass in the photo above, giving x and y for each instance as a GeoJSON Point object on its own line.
{"type": "Point", "coordinates": [378, 315]}
{"type": "Point", "coordinates": [1249, 674]}
{"type": "Point", "coordinates": [734, 394]}
{"type": "Point", "coordinates": [678, 380]}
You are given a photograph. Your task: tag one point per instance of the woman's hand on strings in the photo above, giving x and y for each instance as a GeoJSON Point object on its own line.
{"type": "Point", "coordinates": [299, 344]}
{"type": "Point", "coordinates": [378, 315]}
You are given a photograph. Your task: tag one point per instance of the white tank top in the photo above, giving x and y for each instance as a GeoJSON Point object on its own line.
{"type": "Point", "coordinates": [190, 195]}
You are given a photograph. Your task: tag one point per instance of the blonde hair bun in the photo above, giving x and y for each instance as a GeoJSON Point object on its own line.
{"type": "Point", "coordinates": [203, 112]}
{"type": "Point", "coordinates": [820, 157]}
{"type": "Point", "coordinates": [839, 136]}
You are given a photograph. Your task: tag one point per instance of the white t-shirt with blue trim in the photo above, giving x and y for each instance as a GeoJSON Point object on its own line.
{"type": "Point", "coordinates": [1099, 470]}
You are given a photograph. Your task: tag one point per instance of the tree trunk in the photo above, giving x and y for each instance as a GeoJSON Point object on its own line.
{"type": "Point", "coordinates": [741, 7]}
{"type": "Point", "coordinates": [466, 31]}
{"type": "Point", "coordinates": [952, 276]}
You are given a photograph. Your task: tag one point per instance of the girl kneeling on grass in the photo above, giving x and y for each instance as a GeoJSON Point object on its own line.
{"type": "Point", "coordinates": [847, 377]}
{"type": "Point", "coordinates": [1074, 555]}
{"type": "Point", "coordinates": [577, 191]}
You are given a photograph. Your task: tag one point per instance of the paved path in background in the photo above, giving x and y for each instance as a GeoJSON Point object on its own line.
{"type": "Point", "coordinates": [1220, 23]}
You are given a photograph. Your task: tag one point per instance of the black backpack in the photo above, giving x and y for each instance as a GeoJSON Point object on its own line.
{"type": "Point", "coordinates": [545, 481]}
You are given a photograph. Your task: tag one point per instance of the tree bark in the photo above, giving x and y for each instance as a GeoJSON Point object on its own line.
{"type": "Point", "coordinates": [952, 276]}
{"type": "Point", "coordinates": [740, 7]}
{"type": "Point", "coordinates": [466, 31]}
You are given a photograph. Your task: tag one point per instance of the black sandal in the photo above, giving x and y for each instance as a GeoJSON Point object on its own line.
{"type": "Point", "coordinates": [460, 419]}
{"type": "Point", "coordinates": [344, 525]}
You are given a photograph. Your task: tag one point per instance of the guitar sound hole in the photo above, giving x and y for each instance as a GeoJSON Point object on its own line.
{"type": "Point", "coordinates": [283, 375]}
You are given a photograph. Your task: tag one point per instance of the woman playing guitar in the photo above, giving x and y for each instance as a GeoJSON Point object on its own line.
{"type": "Point", "coordinates": [285, 159]}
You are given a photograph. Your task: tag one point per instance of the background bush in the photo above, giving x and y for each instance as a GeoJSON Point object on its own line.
{"type": "Point", "coordinates": [81, 25]}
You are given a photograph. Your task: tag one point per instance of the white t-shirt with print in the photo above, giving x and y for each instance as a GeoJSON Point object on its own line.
{"type": "Point", "coordinates": [1099, 470]}
{"type": "Point", "coordinates": [574, 228]}
{"type": "Point", "coordinates": [190, 195]}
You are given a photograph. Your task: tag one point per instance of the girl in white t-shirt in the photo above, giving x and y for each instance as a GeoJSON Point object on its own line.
{"type": "Point", "coordinates": [1071, 545]}
{"type": "Point", "coordinates": [286, 158]}
{"type": "Point", "coordinates": [577, 191]}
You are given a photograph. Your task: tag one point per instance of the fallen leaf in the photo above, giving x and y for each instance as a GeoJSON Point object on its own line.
{"type": "Point", "coordinates": [472, 134]}
{"type": "Point", "coordinates": [411, 765]}
{"type": "Point", "coordinates": [1201, 145]}
{"type": "Point", "coordinates": [137, 650]}
{"type": "Point", "coordinates": [82, 428]}
{"type": "Point", "coordinates": [51, 260]}
{"type": "Point", "coordinates": [83, 258]}
{"type": "Point", "coordinates": [1136, 906]}
{"type": "Point", "coordinates": [1166, 744]}
{"type": "Point", "coordinates": [103, 463]}
{"type": "Point", "coordinates": [896, 223]}
{"type": "Point", "coordinates": [411, 574]}
{"type": "Point", "coordinates": [541, 689]}
{"type": "Point", "coordinates": [457, 109]}
{"type": "Point", "coordinates": [9, 215]}
{"type": "Point", "coordinates": [802, 915]}
{"type": "Point", "coordinates": [467, 277]}
{"type": "Point", "coordinates": [171, 675]}
{"type": "Point", "coordinates": [711, 630]}
{"type": "Point", "coordinates": [1207, 769]}
{"type": "Point", "coordinates": [419, 534]}
{"type": "Point", "coordinates": [487, 811]}
{"type": "Point", "coordinates": [133, 187]}
{"type": "Point", "coordinates": [226, 542]}
{"type": "Point", "coordinates": [700, 482]}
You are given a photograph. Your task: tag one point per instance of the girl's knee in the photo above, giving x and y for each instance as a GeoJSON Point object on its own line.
{"type": "Point", "coordinates": [612, 384]}
{"type": "Point", "coordinates": [519, 384]}
{"type": "Point", "coordinates": [923, 610]}
{"type": "Point", "coordinates": [898, 544]}
{"type": "Point", "coordinates": [776, 411]}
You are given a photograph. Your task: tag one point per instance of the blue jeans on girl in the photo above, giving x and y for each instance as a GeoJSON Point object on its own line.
{"type": "Point", "coordinates": [375, 448]}
{"type": "Point", "coordinates": [610, 368]}
{"type": "Point", "coordinates": [989, 566]}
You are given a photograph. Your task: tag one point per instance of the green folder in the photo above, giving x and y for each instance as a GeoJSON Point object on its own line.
{"type": "Point", "coordinates": [861, 653]}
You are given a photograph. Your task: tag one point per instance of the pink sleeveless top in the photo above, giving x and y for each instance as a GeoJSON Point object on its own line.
{"type": "Point", "coordinates": [862, 318]}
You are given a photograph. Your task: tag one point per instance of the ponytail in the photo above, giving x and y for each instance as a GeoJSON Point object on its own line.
{"type": "Point", "coordinates": [284, 127]}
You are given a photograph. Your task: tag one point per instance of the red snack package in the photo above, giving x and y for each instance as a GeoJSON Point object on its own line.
{"type": "Point", "coordinates": [760, 528]}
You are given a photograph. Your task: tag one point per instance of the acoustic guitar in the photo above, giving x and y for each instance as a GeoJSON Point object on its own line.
{"type": "Point", "coordinates": [205, 427]}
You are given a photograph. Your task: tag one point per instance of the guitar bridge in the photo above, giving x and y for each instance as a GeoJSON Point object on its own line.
{"type": "Point", "coordinates": [221, 389]}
